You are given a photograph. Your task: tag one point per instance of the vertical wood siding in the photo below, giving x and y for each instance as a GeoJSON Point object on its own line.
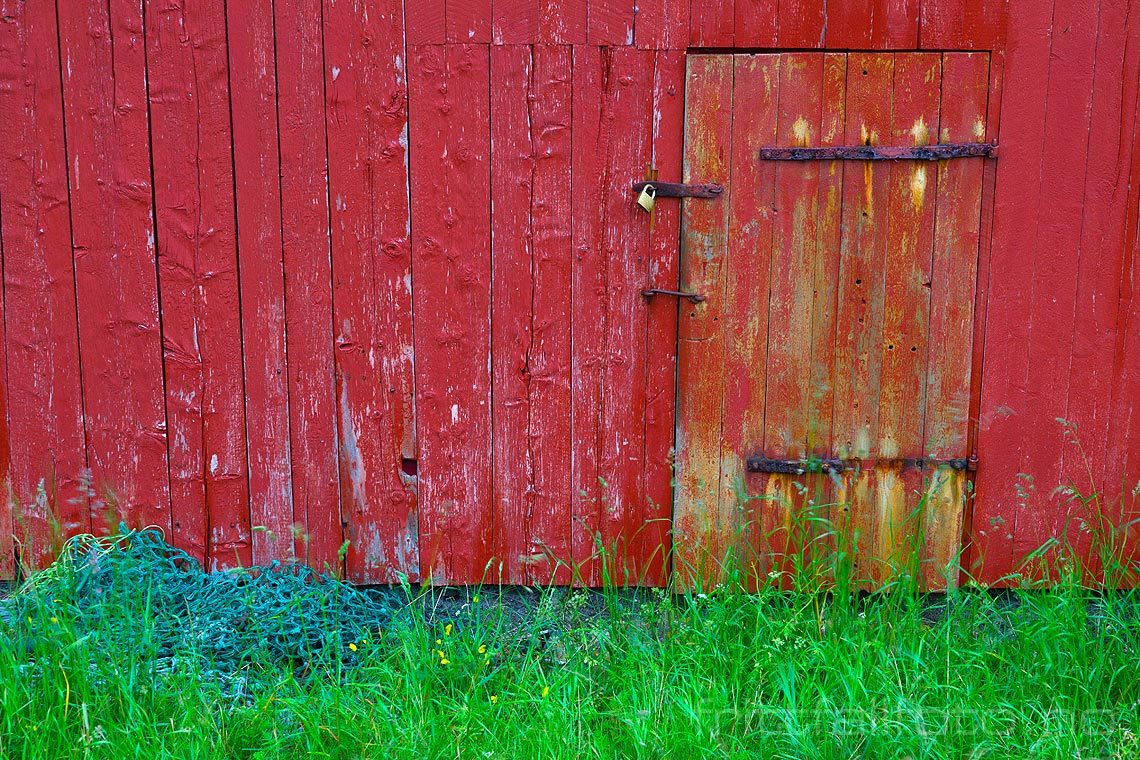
{"type": "Point", "coordinates": [279, 276]}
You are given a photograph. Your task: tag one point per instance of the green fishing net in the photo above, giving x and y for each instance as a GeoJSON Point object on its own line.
{"type": "Point", "coordinates": [147, 597]}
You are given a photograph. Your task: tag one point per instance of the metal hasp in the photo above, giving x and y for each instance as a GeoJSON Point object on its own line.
{"type": "Point", "coordinates": [694, 297]}
{"type": "Point", "coordinates": [939, 152]}
{"type": "Point", "coordinates": [680, 189]}
{"type": "Point", "coordinates": [804, 466]}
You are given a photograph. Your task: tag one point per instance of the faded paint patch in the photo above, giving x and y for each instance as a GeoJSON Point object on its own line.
{"type": "Point", "coordinates": [801, 133]}
{"type": "Point", "coordinates": [918, 185]}
{"type": "Point", "coordinates": [979, 129]}
{"type": "Point", "coordinates": [920, 132]}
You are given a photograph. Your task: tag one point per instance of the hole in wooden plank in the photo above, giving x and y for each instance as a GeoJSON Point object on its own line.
{"type": "Point", "coordinates": [409, 467]}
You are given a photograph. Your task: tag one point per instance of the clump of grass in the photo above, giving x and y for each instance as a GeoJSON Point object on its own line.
{"type": "Point", "coordinates": [562, 673]}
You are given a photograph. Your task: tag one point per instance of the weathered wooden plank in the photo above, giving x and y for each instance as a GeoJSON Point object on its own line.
{"type": "Point", "coordinates": [105, 114]}
{"type": "Point", "coordinates": [875, 25]}
{"type": "Point", "coordinates": [819, 520]}
{"type": "Point", "coordinates": [253, 90]}
{"type": "Point", "coordinates": [757, 23]}
{"type": "Point", "coordinates": [449, 153]}
{"type": "Point", "coordinates": [1085, 465]}
{"type": "Point", "coordinates": [970, 558]}
{"type": "Point", "coordinates": [610, 22]}
{"type": "Point", "coordinates": [747, 273]}
{"type": "Point", "coordinates": [805, 238]}
{"type": "Point", "coordinates": [300, 56]}
{"type": "Point", "coordinates": [7, 510]}
{"type": "Point", "coordinates": [712, 23]}
{"type": "Point", "coordinates": [530, 318]}
{"type": "Point", "coordinates": [592, 132]}
{"type": "Point", "coordinates": [366, 115]}
{"type": "Point", "coordinates": [1002, 488]}
{"type": "Point", "coordinates": [653, 544]}
{"type": "Point", "coordinates": [1124, 430]}
{"type": "Point", "coordinates": [906, 313]}
{"type": "Point", "coordinates": [954, 275]}
{"type": "Point", "coordinates": [625, 515]}
{"type": "Point", "coordinates": [862, 286]}
{"type": "Point", "coordinates": [1053, 303]}
{"type": "Point", "coordinates": [44, 398]}
{"type": "Point", "coordinates": [662, 24]}
{"type": "Point", "coordinates": [560, 22]}
{"type": "Point", "coordinates": [611, 240]}
{"type": "Point", "coordinates": [700, 531]}
{"type": "Point", "coordinates": [197, 258]}
{"type": "Point", "coordinates": [799, 108]}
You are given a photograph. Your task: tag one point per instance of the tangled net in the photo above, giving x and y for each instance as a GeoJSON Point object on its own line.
{"type": "Point", "coordinates": [147, 597]}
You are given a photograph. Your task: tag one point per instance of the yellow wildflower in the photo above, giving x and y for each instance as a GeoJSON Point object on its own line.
{"type": "Point", "coordinates": [482, 649]}
{"type": "Point", "coordinates": [445, 661]}
{"type": "Point", "coordinates": [352, 647]}
{"type": "Point", "coordinates": [54, 619]}
{"type": "Point", "coordinates": [545, 692]}
{"type": "Point", "coordinates": [447, 629]}
{"type": "Point", "coordinates": [475, 599]}
{"type": "Point", "coordinates": [494, 699]}
{"type": "Point", "coordinates": [438, 642]}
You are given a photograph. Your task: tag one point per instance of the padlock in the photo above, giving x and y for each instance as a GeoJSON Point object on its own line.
{"type": "Point", "coordinates": [647, 197]}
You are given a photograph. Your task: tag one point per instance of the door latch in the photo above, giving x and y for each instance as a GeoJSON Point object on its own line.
{"type": "Point", "coordinates": [694, 297]}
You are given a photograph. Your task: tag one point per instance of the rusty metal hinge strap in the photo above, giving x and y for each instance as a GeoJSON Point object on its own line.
{"type": "Point", "coordinates": [939, 152]}
{"type": "Point", "coordinates": [804, 466]}
{"type": "Point", "coordinates": [680, 189]}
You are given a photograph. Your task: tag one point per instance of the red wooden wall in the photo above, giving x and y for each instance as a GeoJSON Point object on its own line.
{"type": "Point", "coordinates": [282, 275]}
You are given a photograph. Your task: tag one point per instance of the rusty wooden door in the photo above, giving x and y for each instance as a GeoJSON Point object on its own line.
{"type": "Point", "coordinates": [825, 384]}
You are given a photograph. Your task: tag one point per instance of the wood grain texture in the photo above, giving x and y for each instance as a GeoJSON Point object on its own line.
{"type": "Point", "coordinates": [1085, 465]}
{"type": "Point", "coordinates": [662, 25]}
{"type": "Point", "coordinates": [425, 21]}
{"type": "Point", "coordinates": [197, 262]}
{"type": "Point", "coordinates": [1002, 486]}
{"type": "Point", "coordinates": [451, 253]}
{"type": "Point", "coordinates": [757, 23]}
{"type": "Point", "coordinates": [107, 131]}
{"type": "Point", "coordinates": [712, 23]}
{"type": "Point", "coordinates": [7, 511]}
{"type": "Point", "coordinates": [701, 531]}
{"type": "Point", "coordinates": [257, 178]}
{"type": "Point", "coordinates": [875, 25]}
{"type": "Point", "coordinates": [970, 24]}
{"type": "Point", "coordinates": [1053, 299]}
{"type": "Point", "coordinates": [611, 22]}
{"type": "Point", "coordinates": [549, 22]}
{"type": "Point", "coordinates": [48, 461]}
{"type": "Point", "coordinates": [530, 319]}
{"type": "Point", "coordinates": [366, 118]}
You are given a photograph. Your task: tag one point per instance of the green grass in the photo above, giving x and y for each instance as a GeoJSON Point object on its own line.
{"type": "Point", "coordinates": [116, 666]}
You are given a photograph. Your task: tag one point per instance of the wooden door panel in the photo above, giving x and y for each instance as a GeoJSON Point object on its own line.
{"type": "Point", "coordinates": [839, 315]}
